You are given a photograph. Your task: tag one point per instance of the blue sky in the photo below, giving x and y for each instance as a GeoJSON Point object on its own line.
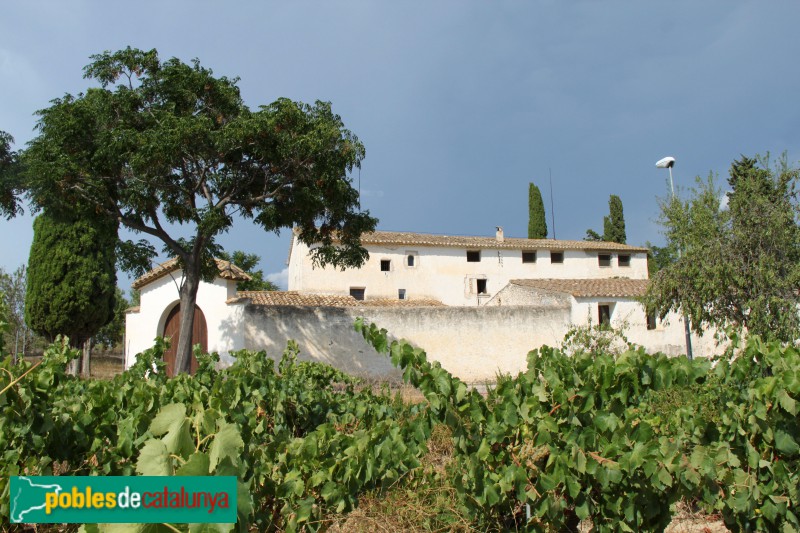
{"type": "Point", "coordinates": [459, 104]}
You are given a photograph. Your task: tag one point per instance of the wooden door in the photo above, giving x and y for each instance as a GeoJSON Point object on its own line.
{"type": "Point", "coordinates": [172, 329]}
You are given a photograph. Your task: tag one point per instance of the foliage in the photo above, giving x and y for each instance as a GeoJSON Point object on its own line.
{"type": "Point", "coordinates": [9, 177]}
{"type": "Point", "coordinates": [584, 437]}
{"type": "Point", "coordinates": [659, 257]}
{"type": "Point", "coordinates": [18, 337]}
{"type": "Point", "coordinates": [303, 438]}
{"type": "Point", "coordinates": [613, 224]}
{"type": "Point", "coordinates": [616, 439]}
{"type": "Point", "coordinates": [596, 338]}
{"type": "Point", "coordinates": [112, 333]}
{"type": "Point", "coordinates": [71, 277]}
{"type": "Point", "coordinates": [248, 263]}
{"type": "Point", "coordinates": [168, 142]}
{"type": "Point", "coordinates": [537, 221]}
{"type": "Point", "coordinates": [740, 265]}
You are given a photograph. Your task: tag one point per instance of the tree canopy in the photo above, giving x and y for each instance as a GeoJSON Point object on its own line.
{"type": "Point", "coordinates": [613, 224]}
{"type": "Point", "coordinates": [739, 264]}
{"type": "Point", "coordinates": [9, 177]}
{"type": "Point", "coordinates": [71, 277]}
{"type": "Point", "coordinates": [168, 142]}
{"type": "Point", "coordinates": [248, 263]}
{"type": "Point", "coordinates": [537, 221]}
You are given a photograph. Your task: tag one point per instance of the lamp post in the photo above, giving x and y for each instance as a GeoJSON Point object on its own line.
{"type": "Point", "coordinates": [669, 162]}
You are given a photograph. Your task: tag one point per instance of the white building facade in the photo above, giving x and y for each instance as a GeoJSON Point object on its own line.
{"type": "Point", "coordinates": [459, 270]}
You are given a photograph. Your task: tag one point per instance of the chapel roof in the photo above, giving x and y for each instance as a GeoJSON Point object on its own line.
{"type": "Point", "coordinates": [227, 270]}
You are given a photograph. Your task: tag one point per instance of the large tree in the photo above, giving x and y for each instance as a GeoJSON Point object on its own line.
{"type": "Point", "coordinates": [71, 277]}
{"type": "Point", "coordinates": [537, 221]}
{"type": "Point", "coordinates": [12, 292]}
{"type": "Point", "coordinates": [169, 142]}
{"type": "Point", "coordinates": [9, 177]}
{"type": "Point", "coordinates": [248, 263]}
{"type": "Point", "coordinates": [739, 265]}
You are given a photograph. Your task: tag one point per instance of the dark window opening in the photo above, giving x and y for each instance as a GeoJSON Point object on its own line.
{"type": "Point", "coordinates": [651, 321]}
{"type": "Point", "coordinates": [481, 286]}
{"type": "Point", "coordinates": [357, 293]}
{"type": "Point", "coordinates": [410, 260]}
{"type": "Point", "coordinates": [473, 256]}
{"type": "Point", "coordinates": [386, 265]}
{"type": "Point", "coordinates": [528, 257]}
{"type": "Point", "coordinates": [556, 257]}
{"type": "Point", "coordinates": [624, 260]}
{"type": "Point", "coordinates": [604, 315]}
{"type": "Point", "coordinates": [604, 260]}
{"type": "Point", "coordinates": [401, 294]}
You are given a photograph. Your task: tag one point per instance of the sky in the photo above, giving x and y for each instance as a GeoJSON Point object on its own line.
{"type": "Point", "coordinates": [460, 104]}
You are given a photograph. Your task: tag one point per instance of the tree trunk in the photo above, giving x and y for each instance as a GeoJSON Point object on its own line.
{"type": "Point", "coordinates": [188, 294]}
{"type": "Point", "coordinates": [86, 366]}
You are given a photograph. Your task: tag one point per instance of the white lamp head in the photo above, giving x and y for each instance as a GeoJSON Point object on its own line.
{"type": "Point", "coordinates": [667, 162]}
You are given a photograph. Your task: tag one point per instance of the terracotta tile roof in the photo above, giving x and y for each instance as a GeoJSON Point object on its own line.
{"type": "Point", "coordinates": [587, 288]}
{"type": "Point", "coordinates": [294, 298]}
{"type": "Point", "coordinates": [510, 243]}
{"type": "Point", "coordinates": [227, 270]}
{"type": "Point", "coordinates": [134, 309]}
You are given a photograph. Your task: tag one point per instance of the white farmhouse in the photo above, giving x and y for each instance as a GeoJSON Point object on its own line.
{"type": "Point", "coordinates": [475, 304]}
{"type": "Point", "coordinates": [459, 270]}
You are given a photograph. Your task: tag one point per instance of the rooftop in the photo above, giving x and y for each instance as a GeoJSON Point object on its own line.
{"type": "Point", "coordinates": [294, 298]}
{"type": "Point", "coordinates": [227, 270]}
{"type": "Point", "coordinates": [588, 288]}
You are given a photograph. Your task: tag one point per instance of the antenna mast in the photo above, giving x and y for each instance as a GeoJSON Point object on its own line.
{"type": "Point", "coordinates": [552, 209]}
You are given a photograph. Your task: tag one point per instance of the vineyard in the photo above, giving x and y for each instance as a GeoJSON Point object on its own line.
{"type": "Point", "coordinates": [610, 441]}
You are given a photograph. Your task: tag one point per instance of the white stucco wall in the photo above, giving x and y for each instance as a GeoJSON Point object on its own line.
{"type": "Point", "coordinates": [629, 315]}
{"type": "Point", "coordinates": [224, 322]}
{"type": "Point", "coordinates": [444, 273]}
{"type": "Point", "coordinates": [472, 343]}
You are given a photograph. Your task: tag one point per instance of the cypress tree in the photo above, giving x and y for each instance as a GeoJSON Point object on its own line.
{"type": "Point", "coordinates": [614, 223]}
{"type": "Point", "coordinates": [537, 223]}
{"type": "Point", "coordinates": [71, 276]}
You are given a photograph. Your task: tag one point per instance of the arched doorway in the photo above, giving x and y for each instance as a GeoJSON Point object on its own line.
{"type": "Point", "coordinates": [172, 328]}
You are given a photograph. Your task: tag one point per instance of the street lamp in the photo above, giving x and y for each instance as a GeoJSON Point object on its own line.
{"type": "Point", "coordinates": [669, 162]}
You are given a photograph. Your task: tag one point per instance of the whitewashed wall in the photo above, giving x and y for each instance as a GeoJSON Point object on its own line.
{"type": "Point", "coordinates": [225, 323]}
{"type": "Point", "coordinates": [444, 273]}
{"type": "Point", "coordinates": [472, 343]}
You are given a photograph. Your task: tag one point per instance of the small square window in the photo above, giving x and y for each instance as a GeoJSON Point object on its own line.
{"type": "Point", "coordinates": [528, 257]}
{"type": "Point", "coordinates": [481, 286]}
{"type": "Point", "coordinates": [473, 256]}
{"type": "Point", "coordinates": [624, 260]}
{"type": "Point", "coordinates": [401, 294]}
{"type": "Point", "coordinates": [357, 292]}
{"type": "Point", "coordinates": [651, 321]}
{"type": "Point", "coordinates": [410, 260]}
{"type": "Point", "coordinates": [604, 260]}
{"type": "Point", "coordinates": [556, 257]}
{"type": "Point", "coordinates": [386, 265]}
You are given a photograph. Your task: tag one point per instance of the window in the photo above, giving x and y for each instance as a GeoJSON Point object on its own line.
{"type": "Point", "coordinates": [357, 292]}
{"type": "Point", "coordinates": [624, 260]}
{"type": "Point", "coordinates": [651, 321]}
{"type": "Point", "coordinates": [528, 257]}
{"type": "Point", "coordinates": [604, 314]}
{"type": "Point", "coordinates": [481, 286]}
{"type": "Point", "coordinates": [410, 260]}
{"type": "Point", "coordinates": [473, 256]}
{"type": "Point", "coordinates": [386, 265]}
{"type": "Point", "coordinates": [401, 294]}
{"type": "Point", "coordinates": [556, 257]}
{"type": "Point", "coordinates": [604, 260]}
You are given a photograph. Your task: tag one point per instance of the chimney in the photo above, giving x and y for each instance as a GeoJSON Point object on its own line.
{"type": "Point", "coordinates": [499, 235]}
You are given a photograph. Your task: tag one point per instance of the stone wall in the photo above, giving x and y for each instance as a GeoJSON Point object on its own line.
{"type": "Point", "coordinates": [474, 343]}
